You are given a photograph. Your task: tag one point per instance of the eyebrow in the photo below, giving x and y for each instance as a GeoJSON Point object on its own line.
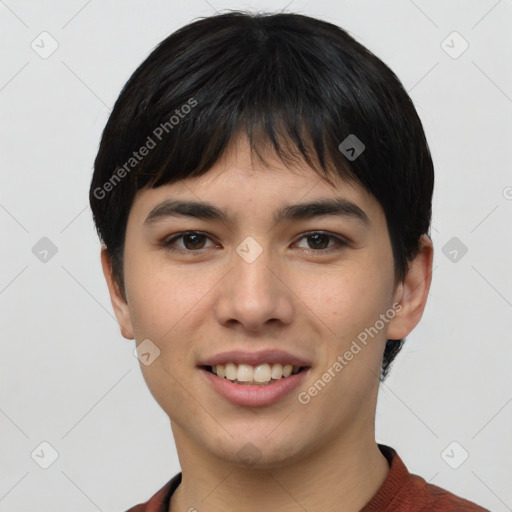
{"type": "Point", "coordinates": [337, 207]}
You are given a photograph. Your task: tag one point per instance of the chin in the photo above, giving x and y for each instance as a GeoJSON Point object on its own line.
{"type": "Point", "coordinates": [260, 451]}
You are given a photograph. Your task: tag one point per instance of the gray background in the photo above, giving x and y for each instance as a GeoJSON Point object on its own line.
{"type": "Point", "coordinates": [69, 379]}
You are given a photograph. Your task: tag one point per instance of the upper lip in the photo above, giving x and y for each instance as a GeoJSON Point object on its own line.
{"type": "Point", "coordinates": [255, 358]}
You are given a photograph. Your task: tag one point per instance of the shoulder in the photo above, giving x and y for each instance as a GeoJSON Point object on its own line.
{"type": "Point", "coordinates": [160, 501]}
{"type": "Point", "coordinates": [403, 491]}
{"type": "Point", "coordinates": [138, 508]}
{"type": "Point", "coordinates": [436, 498]}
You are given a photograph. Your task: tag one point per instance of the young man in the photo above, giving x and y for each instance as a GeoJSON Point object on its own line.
{"type": "Point", "coordinates": [263, 192]}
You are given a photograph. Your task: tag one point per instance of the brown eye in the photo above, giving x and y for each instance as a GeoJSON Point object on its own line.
{"type": "Point", "coordinates": [191, 241]}
{"type": "Point", "coordinates": [318, 242]}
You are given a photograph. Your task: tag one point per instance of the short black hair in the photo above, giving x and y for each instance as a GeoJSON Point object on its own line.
{"type": "Point", "coordinates": [293, 84]}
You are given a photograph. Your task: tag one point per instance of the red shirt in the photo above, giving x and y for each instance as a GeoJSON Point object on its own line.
{"type": "Point", "coordinates": [400, 492]}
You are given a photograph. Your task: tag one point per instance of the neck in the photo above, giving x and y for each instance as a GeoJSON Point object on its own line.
{"type": "Point", "coordinates": [344, 475]}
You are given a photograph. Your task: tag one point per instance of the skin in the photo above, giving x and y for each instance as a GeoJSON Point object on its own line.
{"type": "Point", "coordinates": [315, 457]}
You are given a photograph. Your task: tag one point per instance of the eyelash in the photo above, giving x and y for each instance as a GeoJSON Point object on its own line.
{"type": "Point", "coordinates": [339, 243]}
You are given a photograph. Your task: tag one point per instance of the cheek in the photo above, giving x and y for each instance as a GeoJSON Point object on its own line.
{"type": "Point", "coordinates": [347, 299]}
{"type": "Point", "coordinates": [161, 296]}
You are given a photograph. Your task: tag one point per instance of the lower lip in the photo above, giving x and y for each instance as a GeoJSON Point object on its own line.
{"type": "Point", "coordinates": [254, 395]}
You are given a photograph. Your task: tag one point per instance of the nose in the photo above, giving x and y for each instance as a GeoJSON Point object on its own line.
{"type": "Point", "coordinates": [255, 294]}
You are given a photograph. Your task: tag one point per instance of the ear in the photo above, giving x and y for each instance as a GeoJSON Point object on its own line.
{"type": "Point", "coordinates": [116, 297]}
{"type": "Point", "coordinates": [412, 292]}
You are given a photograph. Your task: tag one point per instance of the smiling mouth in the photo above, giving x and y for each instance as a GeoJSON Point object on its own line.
{"type": "Point", "coordinates": [260, 375]}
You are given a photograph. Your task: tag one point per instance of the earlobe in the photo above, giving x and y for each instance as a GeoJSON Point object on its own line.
{"type": "Point", "coordinates": [412, 292]}
{"type": "Point", "coordinates": [119, 303]}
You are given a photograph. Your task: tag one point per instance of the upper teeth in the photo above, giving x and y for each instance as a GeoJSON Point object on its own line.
{"type": "Point", "coordinates": [249, 373]}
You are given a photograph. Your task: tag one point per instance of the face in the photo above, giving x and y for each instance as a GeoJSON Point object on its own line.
{"type": "Point", "coordinates": [307, 285]}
